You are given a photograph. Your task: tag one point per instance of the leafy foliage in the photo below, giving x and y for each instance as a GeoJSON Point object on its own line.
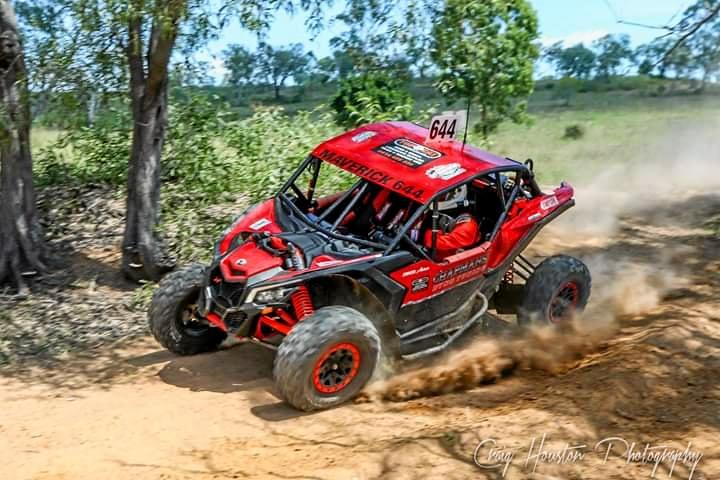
{"type": "Point", "coordinates": [240, 63]}
{"type": "Point", "coordinates": [371, 97]}
{"type": "Point", "coordinates": [276, 65]}
{"type": "Point", "coordinates": [486, 51]}
{"type": "Point", "coordinates": [577, 61]}
{"type": "Point", "coordinates": [270, 144]}
{"type": "Point", "coordinates": [613, 51]}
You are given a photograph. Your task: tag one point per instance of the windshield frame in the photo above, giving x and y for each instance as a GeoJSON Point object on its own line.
{"type": "Point", "coordinates": [312, 225]}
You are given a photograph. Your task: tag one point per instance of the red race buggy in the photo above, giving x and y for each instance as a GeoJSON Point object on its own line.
{"type": "Point", "coordinates": [335, 280]}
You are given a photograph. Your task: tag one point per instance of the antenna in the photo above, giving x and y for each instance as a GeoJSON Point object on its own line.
{"type": "Point", "coordinates": [467, 122]}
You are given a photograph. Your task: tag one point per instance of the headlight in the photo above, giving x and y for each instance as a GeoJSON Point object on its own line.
{"type": "Point", "coordinates": [273, 295]}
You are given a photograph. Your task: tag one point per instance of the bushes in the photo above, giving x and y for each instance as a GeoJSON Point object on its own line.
{"type": "Point", "coordinates": [206, 155]}
{"type": "Point", "coordinates": [371, 97]}
{"type": "Point", "coordinates": [85, 155]}
{"type": "Point", "coordinates": [270, 144]}
{"type": "Point", "coordinates": [574, 132]}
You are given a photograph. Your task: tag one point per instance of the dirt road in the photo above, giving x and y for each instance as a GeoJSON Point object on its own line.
{"type": "Point", "coordinates": [136, 412]}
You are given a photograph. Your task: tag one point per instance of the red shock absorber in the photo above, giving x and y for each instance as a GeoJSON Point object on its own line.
{"type": "Point", "coordinates": [509, 276]}
{"type": "Point", "coordinates": [302, 303]}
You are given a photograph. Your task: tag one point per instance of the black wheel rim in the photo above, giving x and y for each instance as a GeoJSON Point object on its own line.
{"type": "Point", "coordinates": [336, 368]}
{"type": "Point", "coordinates": [186, 319]}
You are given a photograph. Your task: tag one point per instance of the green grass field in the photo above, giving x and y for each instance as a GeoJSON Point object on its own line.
{"type": "Point", "coordinates": [619, 127]}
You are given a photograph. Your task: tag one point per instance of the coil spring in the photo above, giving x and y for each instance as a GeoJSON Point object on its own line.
{"type": "Point", "coordinates": [302, 303]}
{"type": "Point", "coordinates": [509, 276]}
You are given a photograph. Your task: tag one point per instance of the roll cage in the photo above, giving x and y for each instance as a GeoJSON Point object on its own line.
{"type": "Point", "coordinates": [523, 183]}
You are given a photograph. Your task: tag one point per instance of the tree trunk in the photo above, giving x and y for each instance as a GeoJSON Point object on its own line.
{"type": "Point", "coordinates": [143, 256]}
{"type": "Point", "coordinates": [21, 244]}
{"type": "Point", "coordinates": [276, 86]}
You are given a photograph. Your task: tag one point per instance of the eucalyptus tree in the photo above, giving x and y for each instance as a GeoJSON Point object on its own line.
{"type": "Point", "coordinates": [21, 240]}
{"type": "Point", "coordinates": [485, 52]}
{"type": "Point", "coordinates": [138, 39]}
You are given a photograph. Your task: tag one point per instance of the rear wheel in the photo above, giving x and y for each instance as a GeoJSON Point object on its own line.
{"type": "Point", "coordinates": [559, 287]}
{"type": "Point", "coordinates": [327, 358]}
{"type": "Point", "coordinates": [172, 314]}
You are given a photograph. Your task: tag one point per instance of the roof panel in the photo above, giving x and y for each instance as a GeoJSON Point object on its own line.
{"type": "Point", "coordinates": [394, 155]}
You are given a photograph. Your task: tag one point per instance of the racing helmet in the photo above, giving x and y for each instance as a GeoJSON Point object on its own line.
{"type": "Point", "coordinates": [453, 199]}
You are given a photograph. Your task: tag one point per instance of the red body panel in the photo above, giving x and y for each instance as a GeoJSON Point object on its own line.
{"type": "Point", "coordinates": [260, 218]}
{"type": "Point", "coordinates": [522, 217]}
{"type": "Point", "coordinates": [426, 279]}
{"type": "Point", "coordinates": [419, 171]}
{"type": "Point", "coordinates": [247, 260]}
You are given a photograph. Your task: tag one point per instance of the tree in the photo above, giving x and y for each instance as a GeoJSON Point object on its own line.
{"type": "Point", "coordinates": [613, 50]}
{"type": "Point", "coordinates": [21, 240]}
{"type": "Point", "coordinates": [336, 67]}
{"type": "Point", "coordinates": [139, 37]}
{"type": "Point", "coordinates": [372, 96]}
{"type": "Point", "coordinates": [680, 61]}
{"type": "Point", "coordinates": [698, 16]}
{"type": "Point", "coordinates": [415, 35]}
{"type": "Point", "coordinates": [650, 57]}
{"type": "Point", "coordinates": [705, 48]}
{"type": "Point", "coordinates": [241, 64]}
{"type": "Point", "coordinates": [577, 61]}
{"type": "Point", "coordinates": [276, 65]}
{"type": "Point", "coordinates": [485, 52]}
{"type": "Point", "coordinates": [66, 65]}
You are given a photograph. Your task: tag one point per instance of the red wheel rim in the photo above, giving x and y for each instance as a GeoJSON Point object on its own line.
{"type": "Point", "coordinates": [336, 368]}
{"type": "Point", "coordinates": [564, 302]}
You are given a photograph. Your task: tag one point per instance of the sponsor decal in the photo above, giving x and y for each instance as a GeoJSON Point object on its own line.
{"type": "Point", "coordinates": [240, 262]}
{"type": "Point", "coordinates": [372, 174]}
{"type": "Point", "coordinates": [534, 216]}
{"type": "Point", "coordinates": [415, 271]}
{"type": "Point", "coordinates": [263, 222]}
{"type": "Point", "coordinates": [549, 203]}
{"type": "Point", "coordinates": [408, 153]}
{"type": "Point", "coordinates": [463, 268]}
{"type": "Point", "coordinates": [420, 284]}
{"type": "Point", "coordinates": [363, 136]}
{"type": "Point", "coordinates": [445, 172]}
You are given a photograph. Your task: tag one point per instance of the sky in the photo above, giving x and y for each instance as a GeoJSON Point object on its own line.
{"type": "Point", "coordinates": [570, 21]}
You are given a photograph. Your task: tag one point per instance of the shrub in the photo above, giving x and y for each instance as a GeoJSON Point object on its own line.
{"type": "Point", "coordinates": [270, 144]}
{"type": "Point", "coordinates": [574, 132]}
{"type": "Point", "coordinates": [371, 97]}
{"type": "Point", "coordinates": [85, 155]}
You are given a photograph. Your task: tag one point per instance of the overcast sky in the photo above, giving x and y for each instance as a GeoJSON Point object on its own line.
{"type": "Point", "coordinates": [571, 21]}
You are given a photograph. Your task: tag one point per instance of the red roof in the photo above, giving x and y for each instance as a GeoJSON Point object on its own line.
{"type": "Point", "coordinates": [394, 155]}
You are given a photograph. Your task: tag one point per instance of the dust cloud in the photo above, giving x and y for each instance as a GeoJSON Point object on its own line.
{"type": "Point", "coordinates": [683, 164]}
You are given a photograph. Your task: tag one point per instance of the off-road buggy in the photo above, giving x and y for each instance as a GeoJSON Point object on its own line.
{"type": "Point", "coordinates": [334, 282]}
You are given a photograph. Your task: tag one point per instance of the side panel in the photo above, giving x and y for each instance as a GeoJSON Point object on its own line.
{"type": "Point", "coordinates": [425, 279]}
{"type": "Point", "coordinates": [522, 218]}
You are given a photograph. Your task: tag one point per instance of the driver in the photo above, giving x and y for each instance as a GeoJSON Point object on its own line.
{"type": "Point", "coordinates": [459, 230]}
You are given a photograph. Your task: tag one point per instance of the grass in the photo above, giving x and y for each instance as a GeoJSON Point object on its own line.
{"type": "Point", "coordinates": [620, 127]}
{"type": "Point", "coordinates": [615, 133]}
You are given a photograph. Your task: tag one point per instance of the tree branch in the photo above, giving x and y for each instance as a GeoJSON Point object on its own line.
{"type": "Point", "coordinates": [690, 32]}
{"type": "Point", "coordinates": [134, 55]}
{"type": "Point", "coordinates": [164, 32]}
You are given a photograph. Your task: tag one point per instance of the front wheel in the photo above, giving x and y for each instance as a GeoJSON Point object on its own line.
{"type": "Point", "coordinates": [172, 314]}
{"type": "Point", "coordinates": [327, 358]}
{"type": "Point", "coordinates": [559, 287]}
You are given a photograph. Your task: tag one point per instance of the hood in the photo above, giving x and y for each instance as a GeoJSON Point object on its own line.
{"type": "Point", "coordinates": [247, 260]}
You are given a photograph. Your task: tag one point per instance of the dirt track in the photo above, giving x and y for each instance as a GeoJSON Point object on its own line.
{"type": "Point", "coordinates": [137, 412]}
